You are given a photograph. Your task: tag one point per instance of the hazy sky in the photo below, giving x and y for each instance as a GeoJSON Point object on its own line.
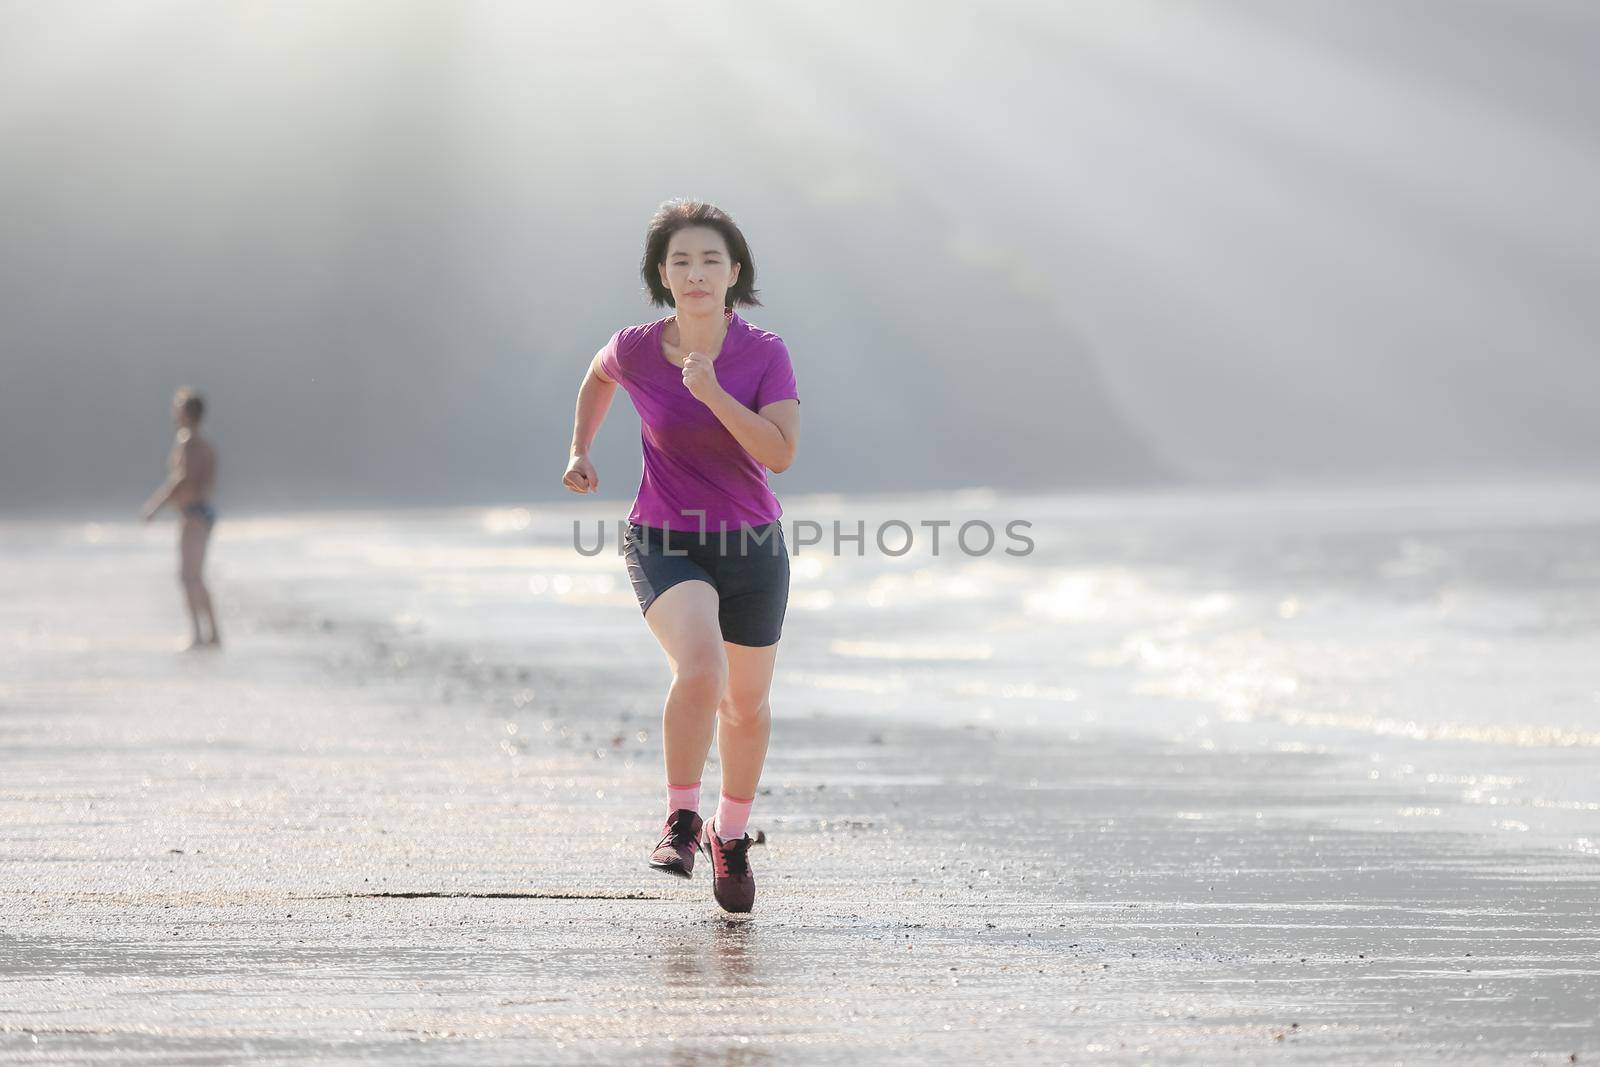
{"type": "Point", "coordinates": [1009, 243]}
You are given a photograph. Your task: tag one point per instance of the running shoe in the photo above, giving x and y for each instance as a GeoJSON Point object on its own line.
{"type": "Point", "coordinates": [732, 882]}
{"type": "Point", "coordinates": [680, 835]}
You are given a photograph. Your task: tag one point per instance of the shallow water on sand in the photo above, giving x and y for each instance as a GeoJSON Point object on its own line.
{"type": "Point", "coordinates": [1446, 636]}
{"type": "Point", "coordinates": [1203, 774]}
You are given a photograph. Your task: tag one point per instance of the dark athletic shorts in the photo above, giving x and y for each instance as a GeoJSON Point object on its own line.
{"type": "Point", "coordinates": [751, 576]}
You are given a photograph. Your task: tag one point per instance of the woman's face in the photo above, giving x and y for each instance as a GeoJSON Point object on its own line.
{"type": "Point", "coordinates": [698, 270]}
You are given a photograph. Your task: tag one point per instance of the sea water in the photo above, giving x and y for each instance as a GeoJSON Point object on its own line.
{"type": "Point", "coordinates": [1440, 640]}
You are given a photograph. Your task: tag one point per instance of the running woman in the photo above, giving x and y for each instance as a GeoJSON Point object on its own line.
{"type": "Point", "coordinates": [705, 553]}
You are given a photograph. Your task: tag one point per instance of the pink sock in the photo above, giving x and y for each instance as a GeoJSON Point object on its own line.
{"type": "Point", "coordinates": [683, 796]}
{"type": "Point", "coordinates": [733, 815]}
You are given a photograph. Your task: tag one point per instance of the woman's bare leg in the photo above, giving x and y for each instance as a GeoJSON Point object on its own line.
{"type": "Point", "coordinates": [745, 717]}
{"type": "Point", "coordinates": [684, 620]}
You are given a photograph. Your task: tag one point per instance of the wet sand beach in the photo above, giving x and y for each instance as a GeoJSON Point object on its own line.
{"type": "Point", "coordinates": [403, 816]}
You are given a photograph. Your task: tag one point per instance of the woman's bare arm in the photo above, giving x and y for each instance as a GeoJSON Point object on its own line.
{"type": "Point", "coordinates": [594, 400]}
{"type": "Point", "coordinates": [772, 435]}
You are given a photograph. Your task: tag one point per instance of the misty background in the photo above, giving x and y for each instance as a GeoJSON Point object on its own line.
{"type": "Point", "coordinates": [1016, 244]}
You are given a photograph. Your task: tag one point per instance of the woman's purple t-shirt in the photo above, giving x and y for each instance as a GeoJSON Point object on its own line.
{"type": "Point", "coordinates": [691, 462]}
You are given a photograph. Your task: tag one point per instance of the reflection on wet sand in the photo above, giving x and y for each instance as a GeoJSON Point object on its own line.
{"type": "Point", "coordinates": [722, 955]}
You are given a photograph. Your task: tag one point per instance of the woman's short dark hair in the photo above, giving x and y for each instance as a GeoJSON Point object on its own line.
{"type": "Point", "coordinates": [675, 215]}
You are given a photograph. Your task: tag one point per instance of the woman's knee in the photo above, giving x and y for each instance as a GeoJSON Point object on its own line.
{"type": "Point", "coordinates": [743, 714]}
{"type": "Point", "coordinates": [703, 674]}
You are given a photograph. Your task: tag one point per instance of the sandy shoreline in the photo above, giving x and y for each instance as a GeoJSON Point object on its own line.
{"type": "Point", "coordinates": [300, 850]}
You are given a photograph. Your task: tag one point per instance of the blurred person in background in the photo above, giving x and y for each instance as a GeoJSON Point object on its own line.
{"type": "Point", "coordinates": [719, 408]}
{"type": "Point", "coordinates": [191, 480]}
